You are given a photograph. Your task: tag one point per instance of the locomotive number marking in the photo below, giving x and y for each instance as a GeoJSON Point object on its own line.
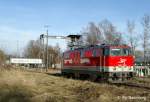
{"type": "Point", "coordinates": [122, 62]}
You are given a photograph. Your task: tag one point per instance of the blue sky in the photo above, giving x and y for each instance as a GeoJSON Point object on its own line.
{"type": "Point", "coordinates": [24, 20]}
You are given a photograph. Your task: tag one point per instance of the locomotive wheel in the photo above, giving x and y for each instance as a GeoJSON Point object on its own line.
{"type": "Point", "coordinates": [68, 75]}
{"type": "Point", "coordinates": [77, 75]}
{"type": "Point", "coordinates": [93, 77]}
{"type": "Point", "coordinates": [64, 74]}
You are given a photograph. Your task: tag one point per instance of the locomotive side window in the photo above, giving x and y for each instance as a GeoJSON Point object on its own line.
{"type": "Point", "coordinates": [106, 51]}
{"type": "Point", "coordinates": [82, 53]}
{"type": "Point", "coordinates": [115, 52]}
{"type": "Point", "coordinates": [94, 52]}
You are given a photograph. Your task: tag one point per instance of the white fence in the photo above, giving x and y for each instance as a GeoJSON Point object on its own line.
{"type": "Point", "coordinates": [142, 71]}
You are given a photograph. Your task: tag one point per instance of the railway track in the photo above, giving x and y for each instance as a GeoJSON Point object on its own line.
{"type": "Point", "coordinates": [134, 85]}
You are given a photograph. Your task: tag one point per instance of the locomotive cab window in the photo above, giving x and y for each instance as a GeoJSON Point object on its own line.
{"type": "Point", "coordinates": [115, 52]}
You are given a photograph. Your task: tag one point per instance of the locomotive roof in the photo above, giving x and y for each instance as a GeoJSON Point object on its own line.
{"type": "Point", "coordinates": [101, 46]}
{"type": "Point", "coordinates": [117, 46]}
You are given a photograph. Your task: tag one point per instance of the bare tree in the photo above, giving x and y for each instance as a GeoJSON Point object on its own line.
{"type": "Point", "coordinates": [33, 49]}
{"type": "Point", "coordinates": [146, 34]}
{"type": "Point", "coordinates": [2, 57]}
{"type": "Point", "coordinates": [93, 34]}
{"type": "Point", "coordinates": [54, 55]}
{"type": "Point", "coordinates": [110, 34]}
{"type": "Point", "coordinates": [118, 38]}
{"type": "Point", "coordinates": [132, 38]}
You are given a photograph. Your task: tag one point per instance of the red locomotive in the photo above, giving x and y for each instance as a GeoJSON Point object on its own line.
{"type": "Point", "coordinates": [104, 62]}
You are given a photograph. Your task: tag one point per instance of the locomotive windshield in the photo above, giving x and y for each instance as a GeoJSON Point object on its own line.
{"type": "Point", "coordinates": [120, 51]}
{"type": "Point", "coordinates": [115, 52]}
{"type": "Point", "coordinates": [126, 52]}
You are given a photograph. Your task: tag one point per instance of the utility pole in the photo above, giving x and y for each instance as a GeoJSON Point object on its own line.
{"type": "Point", "coordinates": [44, 53]}
{"type": "Point", "coordinates": [46, 47]}
{"type": "Point", "coordinates": [18, 54]}
{"type": "Point", "coordinates": [43, 48]}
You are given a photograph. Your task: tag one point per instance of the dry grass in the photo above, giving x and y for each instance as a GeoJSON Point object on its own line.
{"type": "Point", "coordinates": [23, 86]}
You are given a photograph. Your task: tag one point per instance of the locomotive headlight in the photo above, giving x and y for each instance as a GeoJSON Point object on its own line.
{"type": "Point", "coordinates": [130, 68]}
{"type": "Point", "coordinates": [114, 68]}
